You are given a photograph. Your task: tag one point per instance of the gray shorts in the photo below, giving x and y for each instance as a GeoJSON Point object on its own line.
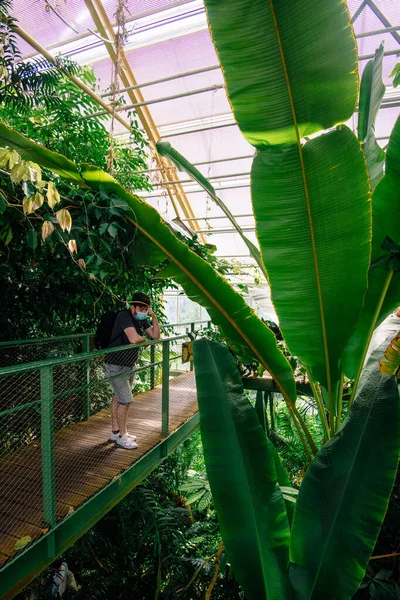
{"type": "Point", "coordinates": [121, 380]}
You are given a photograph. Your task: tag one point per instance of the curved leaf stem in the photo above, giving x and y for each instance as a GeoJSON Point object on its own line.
{"type": "Point", "coordinates": [216, 571]}
{"type": "Point", "coordinates": [321, 409]}
{"type": "Point", "coordinates": [331, 411]}
{"type": "Point", "coordinates": [368, 340]}
{"type": "Point", "coordinates": [339, 402]}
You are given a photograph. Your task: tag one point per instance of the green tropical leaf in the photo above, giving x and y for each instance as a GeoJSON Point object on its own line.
{"type": "Point", "coordinates": [165, 149]}
{"type": "Point", "coordinates": [242, 476]}
{"type": "Point", "coordinates": [383, 295]}
{"type": "Point", "coordinates": [345, 493]}
{"type": "Point", "coordinates": [200, 281]}
{"type": "Point", "coordinates": [32, 239]}
{"type": "Point", "coordinates": [396, 75]}
{"type": "Point", "coordinates": [313, 220]}
{"type": "Point", "coordinates": [290, 67]}
{"type": "Point", "coordinates": [372, 91]}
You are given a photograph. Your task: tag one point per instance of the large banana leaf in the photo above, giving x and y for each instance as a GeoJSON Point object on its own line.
{"type": "Point", "coordinates": [313, 220]}
{"type": "Point", "coordinates": [241, 471]}
{"type": "Point", "coordinates": [345, 492]}
{"type": "Point", "coordinates": [165, 149]}
{"type": "Point", "coordinates": [46, 158]}
{"type": "Point", "coordinates": [290, 67]}
{"type": "Point", "coordinates": [383, 294]}
{"type": "Point", "coordinates": [372, 91]}
{"type": "Point", "coordinates": [227, 308]}
{"type": "Point", "coordinates": [291, 70]}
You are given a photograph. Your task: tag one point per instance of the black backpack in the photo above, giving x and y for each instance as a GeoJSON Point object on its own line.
{"type": "Point", "coordinates": [102, 338]}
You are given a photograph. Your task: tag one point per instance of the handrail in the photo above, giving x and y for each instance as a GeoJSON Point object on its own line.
{"type": "Point", "coordinates": [54, 362]}
{"type": "Point", "coordinates": [73, 336]}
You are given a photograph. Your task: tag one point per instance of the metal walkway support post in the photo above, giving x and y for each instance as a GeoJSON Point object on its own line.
{"type": "Point", "coordinates": [47, 423]}
{"type": "Point", "coordinates": [85, 380]}
{"type": "Point", "coordinates": [165, 389]}
{"type": "Point", "coordinates": [152, 368]}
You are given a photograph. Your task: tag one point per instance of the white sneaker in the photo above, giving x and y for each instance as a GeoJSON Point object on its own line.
{"type": "Point", "coordinates": [115, 436]}
{"type": "Point", "coordinates": [125, 441]}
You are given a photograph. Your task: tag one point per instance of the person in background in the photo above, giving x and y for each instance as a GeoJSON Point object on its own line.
{"type": "Point", "coordinates": [129, 328]}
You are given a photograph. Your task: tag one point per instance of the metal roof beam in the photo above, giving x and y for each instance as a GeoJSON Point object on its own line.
{"type": "Point", "coordinates": [211, 88]}
{"type": "Point", "coordinates": [378, 31]}
{"type": "Point", "coordinates": [207, 162]}
{"type": "Point", "coordinates": [106, 30]}
{"type": "Point", "coordinates": [359, 11]}
{"type": "Point", "coordinates": [130, 19]}
{"type": "Point", "coordinates": [200, 190]}
{"type": "Point", "coordinates": [216, 177]}
{"type": "Point", "coordinates": [383, 19]}
{"type": "Point", "coordinates": [165, 79]}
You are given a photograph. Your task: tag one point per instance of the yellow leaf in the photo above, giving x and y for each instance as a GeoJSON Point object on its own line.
{"type": "Point", "coordinates": [64, 219]}
{"type": "Point", "coordinates": [52, 195]}
{"type": "Point", "coordinates": [9, 157]}
{"type": "Point", "coordinates": [34, 171]}
{"type": "Point", "coordinates": [72, 246]}
{"type": "Point", "coordinates": [22, 542]}
{"type": "Point", "coordinates": [392, 355]}
{"type": "Point", "coordinates": [4, 154]}
{"type": "Point", "coordinates": [38, 200]}
{"type": "Point", "coordinates": [27, 205]}
{"type": "Point", "coordinates": [19, 172]}
{"type": "Point", "coordinates": [47, 229]}
{"type": "Point", "coordinates": [82, 263]}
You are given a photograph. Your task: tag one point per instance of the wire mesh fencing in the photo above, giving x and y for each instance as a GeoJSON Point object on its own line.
{"type": "Point", "coordinates": [27, 351]}
{"type": "Point", "coordinates": [54, 431]}
{"type": "Point", "coordinates": [20, 452]}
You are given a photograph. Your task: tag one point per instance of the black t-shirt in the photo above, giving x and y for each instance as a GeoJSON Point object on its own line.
{"type": "Point", "coordinates": [125, 358]}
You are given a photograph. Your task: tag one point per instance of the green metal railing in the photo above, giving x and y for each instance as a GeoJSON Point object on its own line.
{"type": "Point", "coordinates": [31, 350]}
{"type": "Point", "coordinates": [40, 399]}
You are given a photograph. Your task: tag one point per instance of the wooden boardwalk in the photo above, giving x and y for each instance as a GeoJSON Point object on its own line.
{"type": "Point", "coordinates": [85, 462]}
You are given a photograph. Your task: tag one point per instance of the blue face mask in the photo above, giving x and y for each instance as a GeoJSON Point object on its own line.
{"type": "Point", "coordinates": [141, 316]}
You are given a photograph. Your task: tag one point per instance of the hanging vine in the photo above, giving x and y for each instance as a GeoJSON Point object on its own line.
{"type": "Point", "coordinates": [119, 43]}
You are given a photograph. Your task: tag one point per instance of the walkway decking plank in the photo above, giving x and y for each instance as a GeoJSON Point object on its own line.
{"type": "Point", "coordinates": [85, 461]}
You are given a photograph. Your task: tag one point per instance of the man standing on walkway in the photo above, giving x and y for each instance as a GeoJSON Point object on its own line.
{"type": "Point", "coordinates": [129, 328]}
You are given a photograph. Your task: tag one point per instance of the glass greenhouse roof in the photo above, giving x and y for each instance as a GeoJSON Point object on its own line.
{"type": "Point", "coordinates": [170, 38]}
